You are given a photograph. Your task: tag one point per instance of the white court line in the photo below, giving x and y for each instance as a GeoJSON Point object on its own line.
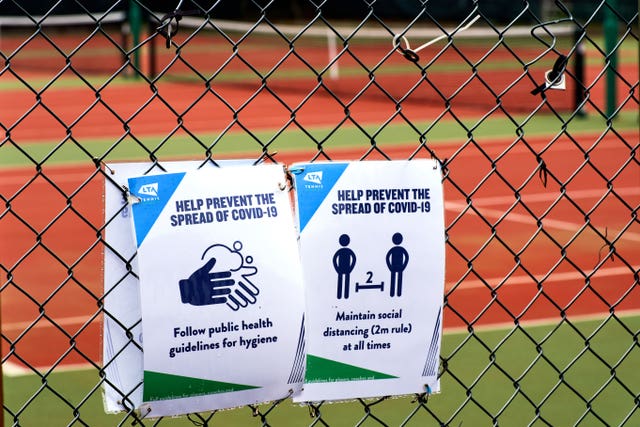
{"type": "Point", "coordinates": [547, 197]}
{"type": "Point", "coordinates": [528, 219]}
{"type": "Point", "coordinates": [466, 284]}
{"type": "Point", "coordinates": [554, 277]}
{"type": "Point", "coordinates": [45, 323]}
{"type": "Point", "coordinates": [78, 177]}
{"type": "Point", "coordinates": [504, 326]}
{"type": "Point", "coordinates": [539, 197]}
{"type": "Point", "coordinates": [11, 369]}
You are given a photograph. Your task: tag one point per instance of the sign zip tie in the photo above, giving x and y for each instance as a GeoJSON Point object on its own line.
{"type": "Point", "coordinates": [100, 162]}
{"type": "Point", "coordinates": [313, 411]}
{"type": "Point", "coordinates": [142, 416]}
{"type": "Point", "coordinates": [289, 174]}
{"type": "Point", "coordinates": [131, 198]}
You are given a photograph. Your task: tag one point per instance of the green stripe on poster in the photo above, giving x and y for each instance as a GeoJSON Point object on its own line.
{"type": "Point", "coordinates": [159, 386]}
{"type": "Point", "coordinates": [321, 370]}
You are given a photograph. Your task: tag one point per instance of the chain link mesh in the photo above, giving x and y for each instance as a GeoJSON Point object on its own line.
{"type": "Point", "coordinates": [158, 82]}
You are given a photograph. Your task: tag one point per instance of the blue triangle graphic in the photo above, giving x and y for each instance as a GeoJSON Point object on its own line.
{"type": "Point", "coordinates": [314, 181]}
{"type": "Point", "coordinates": [154, 191]}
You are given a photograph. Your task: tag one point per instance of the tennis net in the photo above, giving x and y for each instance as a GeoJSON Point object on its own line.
{"type": "Point", "coordinates": [53, 44]}
{"type": "Point", "coordinates": [480, 66]}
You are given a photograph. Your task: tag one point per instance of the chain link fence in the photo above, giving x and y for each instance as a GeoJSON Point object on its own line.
{"type": "Point", "coordinates": [531, 107]}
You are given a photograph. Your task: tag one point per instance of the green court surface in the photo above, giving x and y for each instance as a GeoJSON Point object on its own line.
{"type": "Point", "coordinates": [181, 146]}
{"type": "Point", "coordinates": [559, 374]}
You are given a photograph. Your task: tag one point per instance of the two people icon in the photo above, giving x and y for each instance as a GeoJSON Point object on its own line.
{"type": "Point", "coordinates": [344, 261]}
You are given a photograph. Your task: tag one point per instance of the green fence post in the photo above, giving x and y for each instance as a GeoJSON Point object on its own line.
{"type": "Point", "coordinates": [610, 40]}
{"type": "Point", "coordinates": [135, 25]}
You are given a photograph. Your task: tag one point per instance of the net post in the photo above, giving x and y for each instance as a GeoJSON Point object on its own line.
{"type": "Point", "coordinates": [578, 72]}
{"type": "Point", "coordinates": [153, 55]}
{"type": "Point", "coordinates": [124, 40]}
{"type": "Point", "coordinates": [135, 26]}
{"type": "Point", "coordinates": [610, 26]}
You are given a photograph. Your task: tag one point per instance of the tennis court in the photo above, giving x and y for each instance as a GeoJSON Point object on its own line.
{"type": "Point", "coordinates": [540, 212]}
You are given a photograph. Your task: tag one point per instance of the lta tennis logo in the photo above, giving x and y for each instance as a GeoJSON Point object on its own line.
{"type": "Point", "coordinates": [148, 192]}
{"type": "Point", "coordinates": [313, 177]}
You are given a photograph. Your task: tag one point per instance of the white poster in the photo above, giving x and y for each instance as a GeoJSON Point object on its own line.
{"type": "Point", "coordinates": [122, 346]}
{"type": "Point", "coordinates": [220, 288]}
{"type": "Point", "coordinates": [372, 249]}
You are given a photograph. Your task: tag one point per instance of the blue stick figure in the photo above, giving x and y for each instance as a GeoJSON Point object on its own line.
{"type": "Point", "coordinates": [397, 260]}
{"type": "Point", "coordinates": [344, 260]}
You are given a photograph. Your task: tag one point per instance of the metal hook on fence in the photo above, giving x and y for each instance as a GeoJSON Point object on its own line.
{"type": "Point", "coordinates": [412, 54]}
{"type": "Point", "coordinates": [142, 416]}
{"type": "Point", "coordinates": [168, 29]}
{"type": "Point", "coordinates": [554, 78]}
{"type": "Point", "coordinates": [99, 162]}
{"type": "Point", "coordinates": [544, 27]}
{"type": "Point", "coordinates": [607, 243]}
{"type": "Point", "coordinates": [543, 173]}
{"type": "Point", "coordinates": [170, 23]}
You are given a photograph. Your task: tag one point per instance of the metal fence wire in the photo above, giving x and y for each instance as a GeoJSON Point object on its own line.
{"type": "Point", "coordinates": [542, 184]}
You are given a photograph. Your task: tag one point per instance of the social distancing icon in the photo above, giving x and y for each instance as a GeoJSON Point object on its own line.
{"type": "Point", "coordinates": [345, 259]}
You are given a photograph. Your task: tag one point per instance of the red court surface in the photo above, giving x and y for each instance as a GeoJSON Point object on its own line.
{"type": "Point", "coordinates": [516, 248]}
{"type": "Point", "coordinates": [496, 263]}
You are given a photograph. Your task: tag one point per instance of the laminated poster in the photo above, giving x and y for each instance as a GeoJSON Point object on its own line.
{"type": "Point", "coordinates": [122, 352]}
{"type": "Point", "coordinates": [372, 251]}
{"type": "Point", "coordinates": [220, 289]}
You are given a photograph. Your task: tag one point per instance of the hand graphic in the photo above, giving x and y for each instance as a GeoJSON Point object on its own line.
{"type": "Point", "coordinates": [206, 288]}
{"type": "Point", "coordinates": [245, 292]}
{"type": "Point", "coordinates": [231, 282]}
